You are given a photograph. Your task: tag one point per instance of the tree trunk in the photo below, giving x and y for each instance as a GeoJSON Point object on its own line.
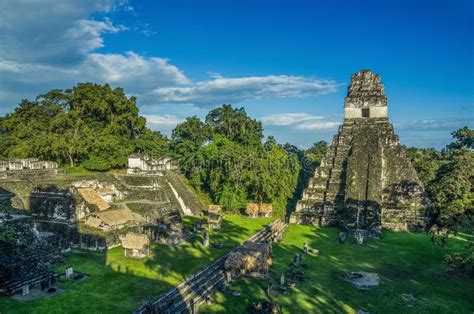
{"type": "Point", "coordinates": [71, 160]}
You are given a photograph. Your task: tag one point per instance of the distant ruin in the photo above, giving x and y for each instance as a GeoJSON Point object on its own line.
{"type": "Point", "coordinates": [27, 168]}
{"type": "Point", "coordinates": [23, 164]}
{"type": "Point", "coordinates": [141, 164]}
{"type": "Point", "coordinates": [136, 245]}
{"type": "Point", "coordinates": [365, 181]}
{"type": "Point", "coordinates": [50, 215]}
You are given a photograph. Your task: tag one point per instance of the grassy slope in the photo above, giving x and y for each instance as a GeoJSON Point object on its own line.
{"type": "Point", "coordinates": [404, 261]}
{"type": "Point", "coordinates": [117, 284]}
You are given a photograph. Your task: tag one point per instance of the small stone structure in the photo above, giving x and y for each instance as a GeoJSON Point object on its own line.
{"type": "Point", "coordinates": [205, 240]}
{"type": "Point", "coordinates": [277, 229]}
{"type": "Point", "coordinates": [69, 272]}
{"type": "Point", "coordinates": [144, 164]}
{"type": "Point", "coordinates": [214, 221]}
{"type": "Point", "coordinates": [25, 289]}
{"type": "Point", "coordinates": [365, 181]}
{"type": "Point", "coordinates": [264, 307]}
{"type": "Point", "coordinates": [26, 164]}
{"type": "Point", "coordinates": [216, 209]}
{"type": "Point", "coordinates": [252, 209]}
{"type": "Point", "coordinates": [29, 168]}
{"type": "Point", "coordinates": [92, 197]}
{"type": "Point", "coordinates": [110, 219]}
{"type": "Point", "coordinates": [252, 258]}
{"type": "Point", "coordinates": [265, 210]}
{"type": "Point", "coordinates": [136, 245]}
{"type": "Point", "coordinates": [107, 194]}
{"type": "Point", "coordinates": [362, 279]}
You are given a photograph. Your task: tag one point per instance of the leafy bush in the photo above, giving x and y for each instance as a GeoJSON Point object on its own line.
{"type": "Point", "coordinates": [461, 262]}
{"type": "Point", "coordinates": [96, 164]}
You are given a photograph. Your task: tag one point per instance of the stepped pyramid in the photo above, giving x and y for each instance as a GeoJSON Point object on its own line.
{"type": "Point", "coordinates": [365, 181]}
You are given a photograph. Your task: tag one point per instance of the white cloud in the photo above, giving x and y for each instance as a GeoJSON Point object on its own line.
{"type": "Point", "coordinates": [164, 123]}
{"type": "Point", "coordinates": [53, 44]}
{"type": "Point", "coordinates": [317, 125]}
{"type": "Point", "coordinates": [300, 121]}
{"type": "Point", "coordinates": [288, 118]}
{"type": "Point", "coordinates": [435, 124]}
{"type": "Point", "coordinates": [137, 73]}
{"type": "Point", "coordinates": [221, 90]}
{"type": "Point", "coordinates": [52, 31]}
{"type": "Point", "coordinates": [165, 120]}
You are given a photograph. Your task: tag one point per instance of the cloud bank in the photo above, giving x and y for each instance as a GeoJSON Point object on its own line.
{"type": "Point", "coordinates": [300, 121]}
{"type": "Point", "coordinates": [57, 48]}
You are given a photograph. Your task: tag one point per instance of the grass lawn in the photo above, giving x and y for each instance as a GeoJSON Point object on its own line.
{"type": "Point", "coordinates": [405, 262]}
{"type": "Point", "coordinates": [117, 284]}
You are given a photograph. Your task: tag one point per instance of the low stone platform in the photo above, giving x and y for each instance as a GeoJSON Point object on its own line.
{"type": "Point", "coordinates": [362, 279]}
{"type": "Point", "coordinates": [37, 293]}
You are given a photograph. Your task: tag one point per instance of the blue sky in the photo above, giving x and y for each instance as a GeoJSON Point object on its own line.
{"type": "Point", "coordinates": [287, 62]}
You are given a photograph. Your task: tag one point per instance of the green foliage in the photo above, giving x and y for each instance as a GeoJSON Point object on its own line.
{"type": "Point", "coordinates": [7, 234]}
{"type": "Point", "coordinates": [316, 153]}
{"type": "Point", "coordinates": [451, 191]}
{"type": "Point", "coordinates": [461, 261]}
{"type": "Point", "coordinates": [235, 125]}
{"type": "Point", "coordinates": [448, 177]}
{"type": "Point", "coordinates": [464, 138]}
{"type": "Point", "coordinates": [309, 160]}
{"type": "Point", "coordinates": [186, 140]}
{"type": "Point", "coordinates": [405, 264]}
{"type": "Point", "coordinates": [93, 125]}
{"type": "Point", "coordinates": [117, 284]}
{"type": "Point", "coordinates": [231, 198]}
{"type": "Point", "coordinates": [96, 163]}
{"type": "Point", "coordinates": [151, 143]}
{"type": "Point", "coordinates": [225, 157]}
{"type": "Point", "coordinates": [426, 161]}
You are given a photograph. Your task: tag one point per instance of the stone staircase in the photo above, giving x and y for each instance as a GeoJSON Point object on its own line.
{"type": "Point", "coordinates": [28, 263]}
{"type": "Point", "coordinates": [365, 171]}
{"type": "Point", "coordinates": [197, 288]}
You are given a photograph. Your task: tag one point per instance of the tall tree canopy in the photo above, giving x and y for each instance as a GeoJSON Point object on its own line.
{"type": "Point", "coordinates": [224, 156]}
{"type": "Point", "coordinates": [448, 177]}
{"type": "Point", "coordinates": [91, 125]}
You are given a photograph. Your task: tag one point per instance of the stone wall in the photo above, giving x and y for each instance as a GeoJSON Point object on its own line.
{"type": "Point", "coordinates": [53, 202]}
{"type": "Point", "coordinates": [27, 260]}
{"type": "Point", "coordinates": [26, 164]}
{"type": "Point", "coordinates": [138, 164]}
{"type": "Point", "coordinates": [356, 113]}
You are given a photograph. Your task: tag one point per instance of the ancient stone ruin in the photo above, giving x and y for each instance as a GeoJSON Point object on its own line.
{"type": "Point", "coordinates": [252, 258]}
{"type": "Point", "coordinates": [27, 168]}
{"type": "Point", "coordinates": [263, 209]}
{"type": "Point", "coordinates": [26, 164]}
{"type": "Point", "coordinates": [214, 218]}
{"type": "Point", "coordinates": [25, 261]}
{"type": "Point", "coordinates": [365, 180]}
{"type": "Point", "coordinates": [140, 164]}
{"type": "Point", "coordinates": [136, 245]}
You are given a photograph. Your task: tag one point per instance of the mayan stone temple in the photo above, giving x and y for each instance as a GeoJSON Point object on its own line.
{"type": "Point", "coordinates": [365, 181]}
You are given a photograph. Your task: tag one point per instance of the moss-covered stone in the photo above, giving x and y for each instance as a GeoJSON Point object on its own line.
{"type": "Point", "coordinates": [365, 181]}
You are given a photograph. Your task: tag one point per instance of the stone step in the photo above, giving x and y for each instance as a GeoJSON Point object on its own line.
{"type": "Point", "coordinates": [202, 284]}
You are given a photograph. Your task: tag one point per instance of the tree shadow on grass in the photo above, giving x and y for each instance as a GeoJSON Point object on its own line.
{"type": "Point", "coordinates": [182, 260]}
